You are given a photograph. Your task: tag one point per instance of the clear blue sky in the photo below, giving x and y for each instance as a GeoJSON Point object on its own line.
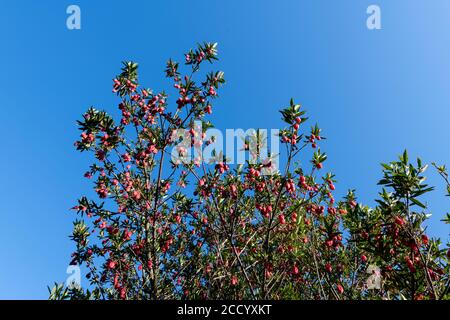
{"type": "Point", "coordinates": [373, 92]}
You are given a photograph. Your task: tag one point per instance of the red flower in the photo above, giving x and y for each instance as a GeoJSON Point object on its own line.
{"type": "Point", "coordinates": [399, 221]}
{"type": "Point", "coordinates": [111, 264]}
{"type": "Point", "coordinates": [88, 175]}
{"type": "Point", "coordinates": [295, 270]}
{"type": "Point", "coordinates": [234, 280]}
{"type": "Point", "coordinates": [126, 157]}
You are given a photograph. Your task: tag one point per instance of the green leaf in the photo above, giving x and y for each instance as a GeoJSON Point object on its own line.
{"type": "Point", "coordinates": [405, 157]}
{"type": "Point", "coordinates": [417, 202]}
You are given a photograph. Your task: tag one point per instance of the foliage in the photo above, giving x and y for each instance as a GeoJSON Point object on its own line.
{"type": "Point", "coordinates": [171, 230]}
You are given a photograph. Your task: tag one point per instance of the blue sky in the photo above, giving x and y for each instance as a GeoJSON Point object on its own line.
{"type": "Point", "coordinates": [374, 93]}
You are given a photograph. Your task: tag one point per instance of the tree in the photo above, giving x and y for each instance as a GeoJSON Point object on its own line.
{"type": "Point", "coordinates": [166, 228]}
